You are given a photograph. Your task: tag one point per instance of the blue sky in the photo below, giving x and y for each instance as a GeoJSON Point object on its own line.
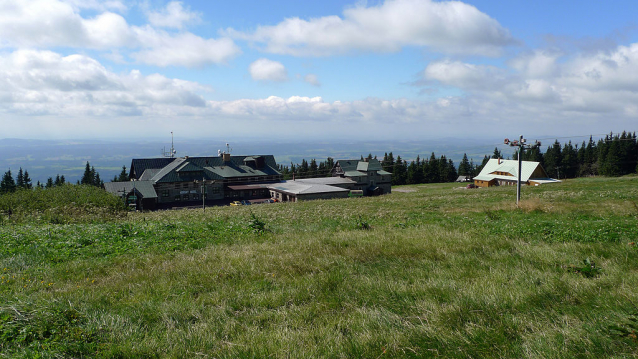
{"type": "Point", "coordinates": [413, 69]}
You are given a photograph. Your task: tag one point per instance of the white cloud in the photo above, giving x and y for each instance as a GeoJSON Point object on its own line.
{"type": "Point", "coordinates": [267, 70]}
{"type": "Point", "coordinates": [173, 16]}
{"type": "Point", "coordinates": [43, 82]}
{"type": "Point", "coordinates": [450, 27]}
{"type": "Point", "coordinates": [544, 83]}
{"type": "Point", "coordinates": [185, 49]}
{"type": "Point", "coordinates": [53, 23]}
{"type": "Point", "coordinates": [312, 79]}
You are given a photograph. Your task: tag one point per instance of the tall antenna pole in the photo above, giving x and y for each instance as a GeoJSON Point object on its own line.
{"type": "Point", "coordinates": [172, 147]}
{"type": "Point", "coordinates": [522, 145]}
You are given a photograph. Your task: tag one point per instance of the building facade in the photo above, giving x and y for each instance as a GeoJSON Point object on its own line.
{"type": "Point", "coordinates": [191, 180]}
{"type": "Point", "coordinates": [498, 172]}
{"type": "Point", "coordinates": [367, 174]}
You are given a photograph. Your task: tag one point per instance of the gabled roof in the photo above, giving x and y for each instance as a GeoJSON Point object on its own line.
{"type": "Point", "coordinates": [183, 169]}
{"type": "Point", "coordinates": [139, 165]}
{"type": "Point", "coordinates": [528, 168]}
{"type": "Point", "coordinates": [359, 165]}
{"type": "Point", "coordinates": [143, 188]}
{"type": "Point", "coordinates": [295, 187]}
{"type": "Point", "coordinates": [188, 166]}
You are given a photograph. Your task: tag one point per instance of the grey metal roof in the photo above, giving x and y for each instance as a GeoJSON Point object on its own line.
{"type": "Point", "coordinates": [358, 165]}
{"type": "Point", "coordinates": [143, 188]}
{"type": "Point", "coordinates": [326, 180]}
{"type": "Point", "coordinates": [294, 187]}
{"type": "Point", "coordinates": [149, 173]}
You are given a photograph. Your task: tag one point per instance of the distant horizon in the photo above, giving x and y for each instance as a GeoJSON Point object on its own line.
{"type": "Point", "coordinates": [47, 158]}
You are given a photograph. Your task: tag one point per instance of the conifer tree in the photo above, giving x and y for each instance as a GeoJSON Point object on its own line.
{"type": "Point", "coordinates": [20, 179]}
{"type": "Point", "coordinates": [464, 167]}
{"type": "Point", "coordinates": [27, 180]}
{"type": "Point", "coordinates": [88, 177]}
{"type": "Point", "coordinates": [7, 184]}
{"type": "Point", "coordinates": [123, 175]}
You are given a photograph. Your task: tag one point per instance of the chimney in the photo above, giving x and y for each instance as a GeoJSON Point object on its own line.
{"type": "Point", "coordinates": [499, 160]}
{"type": "Point", "coordinates": [226, 157]}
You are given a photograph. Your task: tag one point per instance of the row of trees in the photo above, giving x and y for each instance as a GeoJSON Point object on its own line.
{"type": "Point", "coordinates": [23, 181]}
{"type": "Point", "coordinates": [307, 169]}
{"type": "Point", "coordinates": [614, 155]}
{"type": "Point", "coordinates": [434, 170]}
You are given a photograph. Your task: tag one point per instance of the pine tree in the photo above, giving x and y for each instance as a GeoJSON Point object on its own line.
{"type": "Point", "coordinates": [497, 153]}
{"type": "Point", "coordinates": [330, 163]}
{"type": "Point", "coordinates": [49, 183]}
{"type": "Point", "coordinates": [27, 180]}
{"type": "Point", "coordinates": [388, 163]}
{"type": "Point", "coordinates": [464, 166]}
{"type": "Point", "coordinates": [313, 168]}
{"type": "Point", "coordinates": [612, 164]}
{"type": "Point", "coordinates": [7, 184]}
{"type": "Point", "coordinates": [123, 175]}
{"type": "Point", "coordinates": [88, 177]}
{"type": "Point", "coordinates": [399, 172]}
{"type": "Point", "coordinates": [98, 182]}
{"type": "Point", "coordinates": [20, 179]}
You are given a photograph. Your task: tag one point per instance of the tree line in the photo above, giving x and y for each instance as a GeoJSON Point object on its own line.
{"type": "Point", "coordinates": [615, 155]}
{"type": "Point", "coordinates": [23, 181]}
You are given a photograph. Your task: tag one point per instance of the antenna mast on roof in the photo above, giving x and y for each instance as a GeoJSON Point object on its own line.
{"type": "Point", "coordinates": [172, 152]}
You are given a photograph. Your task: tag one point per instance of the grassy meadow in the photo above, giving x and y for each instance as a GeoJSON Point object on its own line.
{"type": "Point", "coordinates": [434, 271]}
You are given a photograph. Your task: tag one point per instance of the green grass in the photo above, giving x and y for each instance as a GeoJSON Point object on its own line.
{"type": "Point", "coordinates": [439, 272]}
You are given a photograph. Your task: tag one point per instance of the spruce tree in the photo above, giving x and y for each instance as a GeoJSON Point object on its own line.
{"type": "Point", "coordinates": [7, 184]}
{"type": "Point", "coordinates": [88, 177]}
{"type": "Point", "coordinates": [49, 183]}
{"type": "Point", "coordinates": [20, 179]}
{"type": "Point", "coordinates": [27, 180]}
{"type": "Point", "coordinates": [464, 167]}
{"type": "Point", "coordinates": [123, 175]}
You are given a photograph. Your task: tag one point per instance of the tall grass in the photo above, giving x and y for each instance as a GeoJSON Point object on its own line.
{"type": "Point", "coordinates": [439, 272]}
{"type": "Point", "coordinates": [60, 205]}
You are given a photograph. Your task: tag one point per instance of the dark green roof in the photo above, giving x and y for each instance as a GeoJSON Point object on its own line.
{"type": "Point", "coordinates": [138, 166]}
{"type": "Point", "coordinates": [211, 168]}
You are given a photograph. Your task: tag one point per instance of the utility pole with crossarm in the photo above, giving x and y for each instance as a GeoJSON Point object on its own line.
{"type": "Point", "coordinates": [522, 145]}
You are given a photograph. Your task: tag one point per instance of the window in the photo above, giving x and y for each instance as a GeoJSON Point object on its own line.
{"type": "Point", "coordinates": [215, 190]}
{"type": "Point", "coordinates": [185, 185]}
{"type": "Point", "coordinates": [165, 193]}
{"type": "Point", "coordinates": [195, 196]}
{"type": "Point", "coordinates": [185, 197]}
{"type": "Point", "coordinates": [177, 198]}
{"type": "Point", "coordinates": [176, 185]}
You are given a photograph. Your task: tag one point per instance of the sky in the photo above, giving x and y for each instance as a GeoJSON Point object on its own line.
{"type": "Point", "coordinates": [316, 70]}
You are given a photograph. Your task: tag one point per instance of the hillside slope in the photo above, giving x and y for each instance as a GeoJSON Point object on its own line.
{"type": "Point", "coordinates": [437, 272]}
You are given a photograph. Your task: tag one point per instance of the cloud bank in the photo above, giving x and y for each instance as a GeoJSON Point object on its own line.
{"type": "Point", "coordinates": [450, 27]}
{"type": "Point", "coordinates": [49, 24]}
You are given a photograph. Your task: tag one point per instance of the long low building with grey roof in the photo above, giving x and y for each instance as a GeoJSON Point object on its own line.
{"type": "Point", "coordinates": [188, 181]}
